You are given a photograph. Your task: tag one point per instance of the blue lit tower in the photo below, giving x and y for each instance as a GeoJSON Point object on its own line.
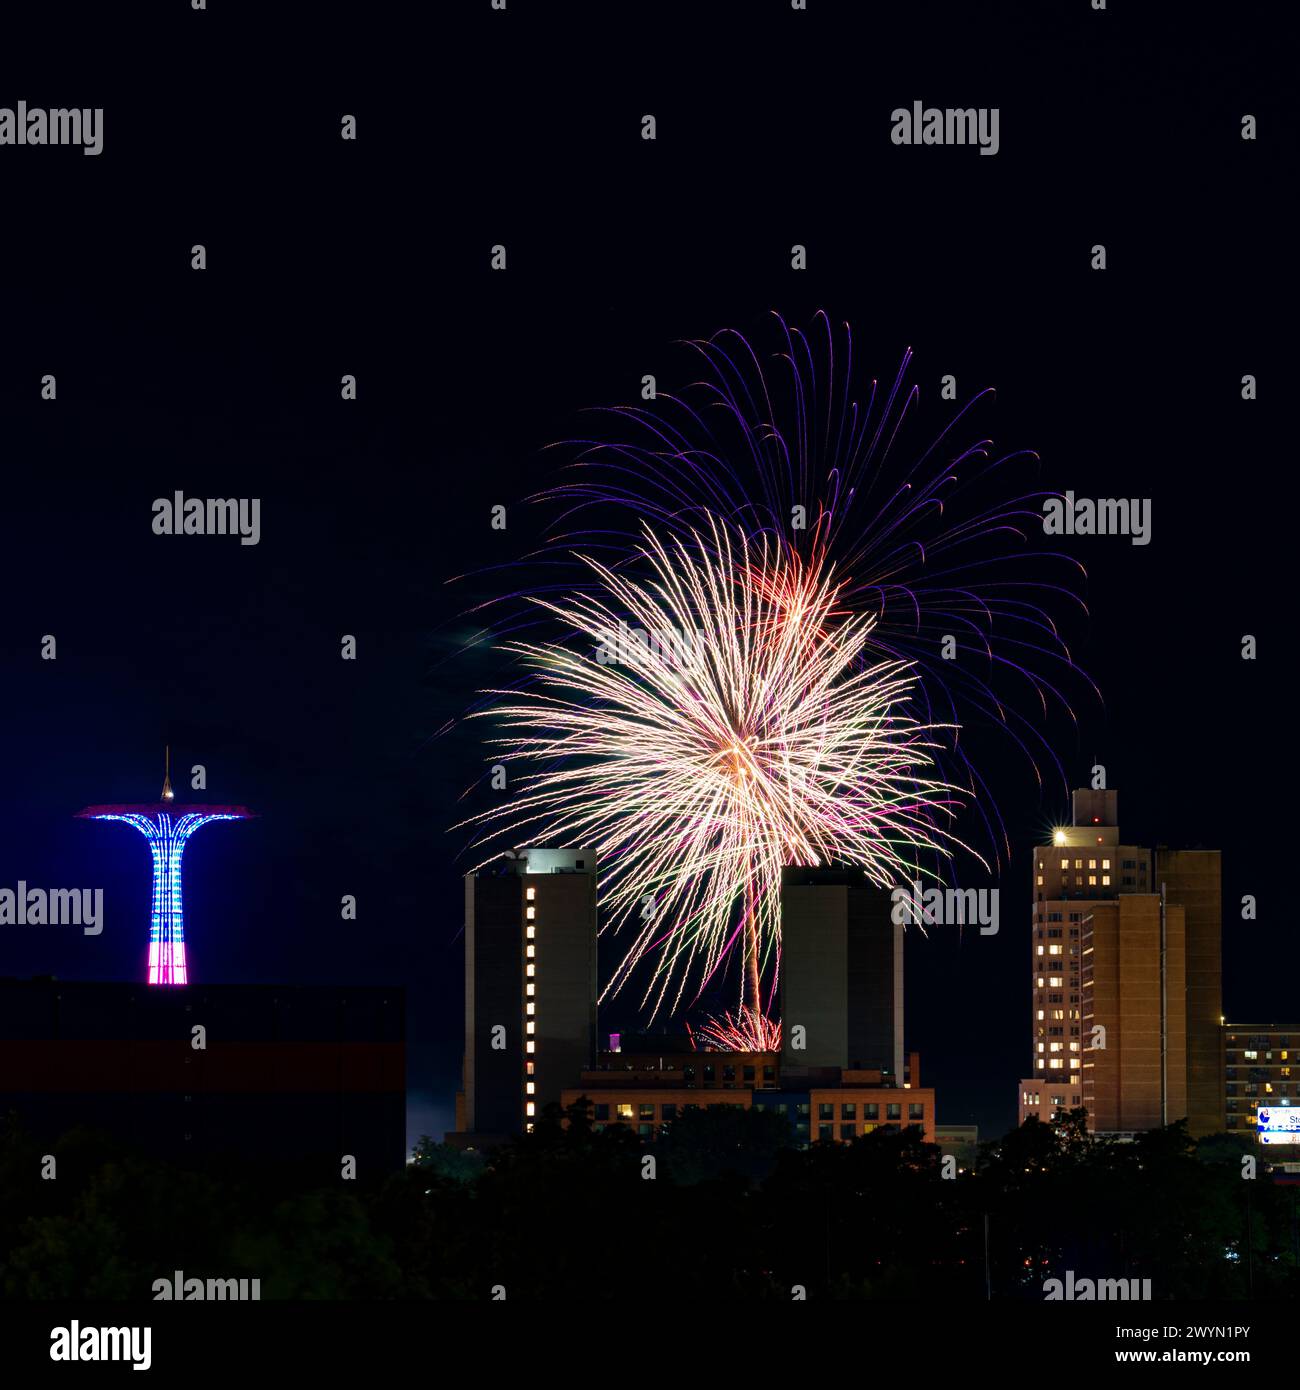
{"type": "Point", "coordinates": [167, 827]}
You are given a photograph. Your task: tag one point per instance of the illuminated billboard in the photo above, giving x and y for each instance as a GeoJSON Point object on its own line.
{"type": "Point", "coordinates": [1279, 1124]}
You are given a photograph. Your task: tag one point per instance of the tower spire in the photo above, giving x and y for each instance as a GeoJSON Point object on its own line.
{"type": "Point", "coordinates": [167, 793]}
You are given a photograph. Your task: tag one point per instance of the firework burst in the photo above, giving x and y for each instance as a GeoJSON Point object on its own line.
{"type": "Point", "coordinates": [935, 539]}
{"type": "Point", "coordinates": [711, 722]}
{"type": "Point", "coordinates": [748, 1031]}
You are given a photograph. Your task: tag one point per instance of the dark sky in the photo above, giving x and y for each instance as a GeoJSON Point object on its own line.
{"type": "Point", "coordinates": [371, 258]}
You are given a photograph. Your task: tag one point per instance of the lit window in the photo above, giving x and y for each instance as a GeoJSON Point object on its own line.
{"type": "Point", "coordinates": [1105, 863]}
{"type": "Point", "coordinates": [530, 1027]}
{"type": "Point", "coordinates": [1040, 880]}
{"type": "Point", "coordinates": [531, 952]}
{"type": "Point", "coordinates": [1065, 863]}
{"type": "Point", "coordinates": [531, 1108]}
{"type": "Point", "coordinates": [530, 1046]}
{"type": "Point", "coordinates": [1040, 950]}
{"type": "Point", "coordinates": [1040, 1013]}
{"type": "Point", "coordinates": [530, 1008]}
{"type": "Point", "coordinates": [532, 893]}
{"type": "Point", "coordinates": [1105, 880]}
{"type": "Point", "coordinates": [532, 932]}
{"type": "Point", "coordinates": [1092, 880]}
{"type": "Point", "coordinates": [531, 1088]}
{"type": "Point", "coordinates": [532, 912]}
{"type": "Point", "coordinates": [530, 989]}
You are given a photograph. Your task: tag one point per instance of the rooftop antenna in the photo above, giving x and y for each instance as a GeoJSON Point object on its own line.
{"type": "Point", "coordinates": [167, 793]}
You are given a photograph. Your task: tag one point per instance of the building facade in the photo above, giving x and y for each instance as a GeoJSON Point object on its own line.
{"type": "Point", "coordinates": [1126, 983]}
{"type": "Point", "coordinates": [530, 988]}
{"type": "Point", "coordinates": [830, 1104]}
{"type": "Point", "coordinates": [1261, 1071]}
{"type": "Point", "coordinates": [841, 974]}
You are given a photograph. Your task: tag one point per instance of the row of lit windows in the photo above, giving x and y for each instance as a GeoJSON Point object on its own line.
{"type": "Point", "coordinates": [1032, 1099]}
{"type": "Point", "coordinates": [530, 1008]}
{"type": "Point", "coordinates": [625, 1111]}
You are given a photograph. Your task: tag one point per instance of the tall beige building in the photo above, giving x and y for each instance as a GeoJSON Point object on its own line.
{"type": "Point", "coordinates": [1127, 981]}
{"type": "Point", "coordinates": [1084, 866]}
{"type": "Point", "coordinates": [1134, 1014]}
{"type": "Point", "coordinates": [1192, 878]}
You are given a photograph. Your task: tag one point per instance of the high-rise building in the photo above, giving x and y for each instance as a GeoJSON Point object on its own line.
{"type": "Point", "coordinates": [1192, 879]}
{"type": "Point", "coordinates": [1135, 996]}
{"type": "Point", "coordinates": [1083, 866]}
{"type": "Point", "coordinates": [841, 974]}
{"type": "Point", "coordinates": [530, 988]}
{"type": "Point", "coordinates": [1126, 978]}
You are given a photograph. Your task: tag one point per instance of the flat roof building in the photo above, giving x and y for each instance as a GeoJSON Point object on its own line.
{"type": "Point", "coordinates": [530, 988]}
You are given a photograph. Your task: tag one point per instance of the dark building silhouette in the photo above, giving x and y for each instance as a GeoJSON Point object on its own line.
{"type": "Point", "coordinates": [302, 1074]}
{"type": "Point", "coordinates": [530, 988]}
{"type": "Point", "coordinates": [841, 974]}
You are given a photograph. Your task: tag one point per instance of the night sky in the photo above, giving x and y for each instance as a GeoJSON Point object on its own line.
{"type": "Point", "coordinates": [371, 257]}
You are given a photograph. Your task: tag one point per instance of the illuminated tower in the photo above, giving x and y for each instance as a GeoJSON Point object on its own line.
{"type": "Point", "coordinates": [167, 827]}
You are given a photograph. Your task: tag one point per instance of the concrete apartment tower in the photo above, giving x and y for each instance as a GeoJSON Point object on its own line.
{"type": "Point", "coordinates": [1127, 979]}
{"type": "Point", "coordinates": [1193, 880]}
{"type": "Point", "coordinates": [530, 988]}
{"type": "Point", "coordinates": [841, 974]}
{"type": "Point", "coordinates": [1083, 867]}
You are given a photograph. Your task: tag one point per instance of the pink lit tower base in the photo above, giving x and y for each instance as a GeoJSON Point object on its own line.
{"type": "Point", "coordinates": [167, 827]}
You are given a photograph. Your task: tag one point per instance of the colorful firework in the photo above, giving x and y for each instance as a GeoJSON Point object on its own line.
{"type": "Point", "coordinates": [748, 1031]}
{"type": "Point", "coordinates": [937, 541]}
{"type": "Point", "coordinates": [713, 723]}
